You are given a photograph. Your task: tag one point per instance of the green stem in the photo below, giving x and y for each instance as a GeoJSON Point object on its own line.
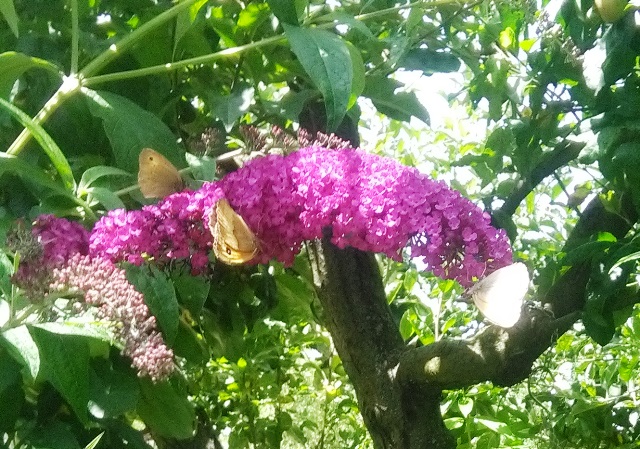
{"type": "Point", "coordinates": [49, 107]}
{"type": "Point", "coordinates": [422, 4]}
{"type": "Point", "coordinates": [205, 59]}
{"type": "Point", "coordinates": [26, 312]}
{"type": "Point", "coordinates": [75, 37]}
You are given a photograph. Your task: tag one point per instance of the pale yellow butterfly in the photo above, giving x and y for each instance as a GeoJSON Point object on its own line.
{"type": "Point", "coordinates": [500, 296]}
{"type": "Point", "coordinates": [157, 176]}
{"type": "Point", "coordinates": [233, 242]}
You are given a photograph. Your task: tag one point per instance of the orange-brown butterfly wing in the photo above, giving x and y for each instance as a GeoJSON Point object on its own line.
{"type": "Point", "coordinates": [157, 176]}
{"type": "Point", "coordinates": [233, 242]}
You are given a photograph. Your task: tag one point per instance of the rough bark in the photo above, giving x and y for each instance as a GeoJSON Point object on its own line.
{"type": "Point", "coordinates": [398, 415]}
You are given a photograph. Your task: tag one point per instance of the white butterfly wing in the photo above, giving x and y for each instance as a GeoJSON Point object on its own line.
{"type": "Point", "coordinates": [500, 295]}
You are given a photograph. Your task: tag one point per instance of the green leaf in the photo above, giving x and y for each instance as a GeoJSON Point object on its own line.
{"type": "Point", "coordinates": [293, 102]}
{"type": "Point", "coordinates": [398, 106]}
{"type": "Point", "coordinates": [93, 330]}
{"type": "Point", "coordinates": [466, 406]}
{"type": "Point", "coordinates": [49, 146]}
{"type": "Point", "coordinates": [8, 11]}
{"type": "Point", "coordinates": [406, 324]}
{"type": "Point", "coordinates": [294, 298]}
{"type": "Point", "coordinates": [286, 10]}
{"type": "Point", "coordinates": [113, 391]}
{"type": "Point", "coordinates": [488, 440]}
{"type": "Point", "coordinates": [410, 279]}
{"type": "Point", "coordinates": [190, 345]}
{"type": "Point", "coordinates": [159, 295]}
{"type": "Point", "coordinates": [35, 177]}
{"type": "Point", "coordinates": [54, 434]}
{"type": "Point", "coordinates": [11, 391]}
{"type": "Point", "coordinates": [166, 411]}
{"type": "Point", "coordinates": [192, 291]}
{"type": "Point", "coordinates": [229, 108]}
{"type": "Point", "coordinates": [496, 426]}
{"type": "Point", "coordinates": [202, 168]}
{"type": "Point", "coordinates": [130, 128]}
{"type": "Point", "coordinates": [14, 64]}
{"type": "Point", "coordinates": [23, 348]}
{"type": "Point", "coordinates": [342, 18]}
{"type": "Point", "coordinates": [631, 257]}
{"type": "Point", "coordinates": [105, 197]}
{"type": "Point", "coordinates": [429, 61]}
{"type": "Point", "coordinates": [327, 61]}
{"type": "Point", "coordinates": [9, 371]}
{"type": "Point", "coordinates": [586, 252]}
{"type": "Point", "coordinates": [92, 174]}
{"type": "Point", "coordinates": [597, 316]}
{"type": "Point", "coordinates": [359, 74]}
{"type": "Point", "coordinates": [6, 271]}
{"type": "Point", "coordinates": [65, 364]}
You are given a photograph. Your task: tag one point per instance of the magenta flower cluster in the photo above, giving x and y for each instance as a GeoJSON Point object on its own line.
{"type": "Point", "coordinates": [365, 201]}
{"type": "Point", "coordinates": [57, 240]}
{"type": "Point", "coordinates": [60, 239]}
{"type": "Point", "coordinates": [64, 266]}
{"type": "Point", "coordinates": [173, 229]}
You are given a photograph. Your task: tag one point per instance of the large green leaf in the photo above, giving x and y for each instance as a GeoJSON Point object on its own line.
{"type": "Point", "coordinates": [166, 410]}
{"type": "Point", "coordinates": [160, 296]}
{"type": "Point", "coordinates": [327, 61]}
{"type": "Point", "coordinates": [131, 128]}
{"type": "Point", "coordinates": [13, 65]}
{"type": "Point", "coordinates": [99, 332]}
{"type": "Point", "coordinates": [65, 364]}
{"type": "Point", "coordinates": [397, 105]}
{"type": "Point", "coordinates": [113, 391]}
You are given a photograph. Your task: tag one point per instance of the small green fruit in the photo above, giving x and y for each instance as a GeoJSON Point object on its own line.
{"type": "Point", "coordinates": [611, 10]}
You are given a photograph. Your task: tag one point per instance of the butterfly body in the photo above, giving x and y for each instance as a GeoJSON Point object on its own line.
{"type": "Point", "coordinates": [500, 296]}
{"type": "Point", "coordinates": [157, 176]}
{"type": "Point", "coordinates": [233, 242]}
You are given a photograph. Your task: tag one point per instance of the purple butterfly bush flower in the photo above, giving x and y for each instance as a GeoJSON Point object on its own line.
{"type": "Point", "coordinates": [361, 200]}
{"type": "Point", "coordinates": [366, 201]}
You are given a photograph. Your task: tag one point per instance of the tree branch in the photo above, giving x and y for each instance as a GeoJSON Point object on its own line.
{"type": "Point", "coordinates": [562, 153]}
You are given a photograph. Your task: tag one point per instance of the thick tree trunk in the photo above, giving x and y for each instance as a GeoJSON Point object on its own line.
{"type": "Point", "coordinates": [398, 415]}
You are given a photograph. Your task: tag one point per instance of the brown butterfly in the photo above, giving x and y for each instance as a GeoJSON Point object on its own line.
{"type": "Point", "coordinates": [157, 176]}
{"type": "Point", "coordinates": [233, 242]}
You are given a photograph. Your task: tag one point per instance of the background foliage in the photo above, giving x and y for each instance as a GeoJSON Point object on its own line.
{"type": "Point", "coordinates": [540, 118]}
